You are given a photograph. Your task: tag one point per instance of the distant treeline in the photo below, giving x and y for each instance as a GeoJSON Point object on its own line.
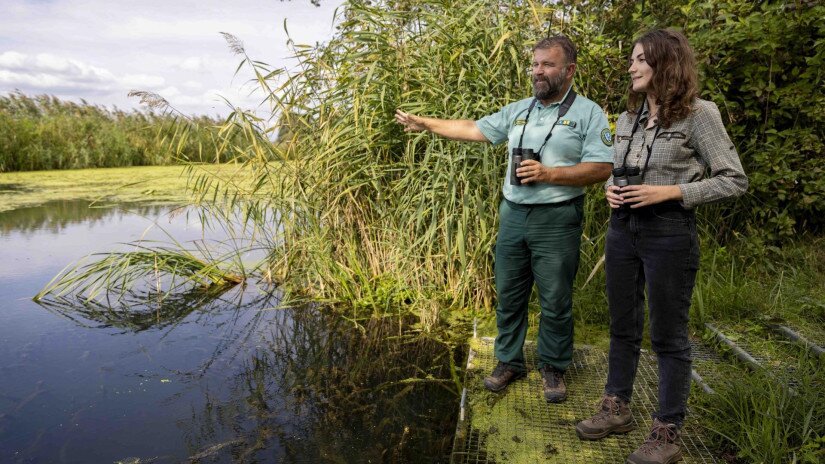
{"type": "Point", "coordinates": [44, 132]}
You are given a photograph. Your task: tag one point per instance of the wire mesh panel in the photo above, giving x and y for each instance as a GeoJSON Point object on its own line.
{"type": "Point", "coordinates": [774, 352]}
{"type": "Point", "coordinates": [519, 426]}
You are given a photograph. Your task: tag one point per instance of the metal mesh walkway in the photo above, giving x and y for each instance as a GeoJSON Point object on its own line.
{"type": "Point", "coordinates": [518, 426]}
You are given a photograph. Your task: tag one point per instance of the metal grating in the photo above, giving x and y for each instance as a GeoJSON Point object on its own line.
{"type": "Point", "coordinates": [701, 353]}
{"type": "Point", "coordinates": [773, 352]}
{"type": "Point", "coordinates": [518, 426]}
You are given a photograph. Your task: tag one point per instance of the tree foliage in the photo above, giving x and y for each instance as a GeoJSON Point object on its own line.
{"type": "Point", "coordinates": [761, 62]}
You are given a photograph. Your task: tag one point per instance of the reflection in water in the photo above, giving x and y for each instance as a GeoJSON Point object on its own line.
{"type": "Point", "coordinates": [324, 391]}
{"type": "Point", "coordinates": [315, 388]}
{"type": "Point", "coordinates": [54, 216]}
{"type": "Point", "coordinates": [137, 311]}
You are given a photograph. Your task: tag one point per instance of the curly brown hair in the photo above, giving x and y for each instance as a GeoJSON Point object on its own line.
{"type": "Point", "coordinates": [675, 82]}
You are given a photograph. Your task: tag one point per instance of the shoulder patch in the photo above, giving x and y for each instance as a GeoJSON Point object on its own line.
{"type": "Point", "coordinates": [607, 137]}
{"type": "Point", "coordinates": [520, 122]}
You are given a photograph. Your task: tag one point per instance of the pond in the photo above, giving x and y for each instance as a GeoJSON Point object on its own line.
{"type": "Point", "coordinates": [197, 377]}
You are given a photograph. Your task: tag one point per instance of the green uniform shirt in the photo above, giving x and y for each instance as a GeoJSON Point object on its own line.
{"type": "Point", "coordinates": [581, 135]}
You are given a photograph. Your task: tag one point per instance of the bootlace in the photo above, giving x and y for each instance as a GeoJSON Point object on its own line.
{"type": "Point", "coordinates": [499, 369]}
{"type": "Point", "coordinates": [552, 376]}
{"type": "Point", "coordinates": [609, 407]}
{"type": "Point", "coordinates": [661, 434]}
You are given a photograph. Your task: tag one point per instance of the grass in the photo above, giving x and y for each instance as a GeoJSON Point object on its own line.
{"type": "Point", "coordinates": [43, 132]}
{"type": "Point", "coordinates": [762, 420]}
{"type": "Point", "coordinates": [169, 268]}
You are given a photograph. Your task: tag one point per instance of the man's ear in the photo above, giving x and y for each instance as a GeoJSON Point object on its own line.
{"type": "Point", "coordinates": [571, 69]}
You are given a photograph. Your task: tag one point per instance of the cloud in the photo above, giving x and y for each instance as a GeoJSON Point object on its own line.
{"type": "Point", "coordinates": [12, 60]}
{"type": "Point", "coordinates": [193, 63]}
{"type": "Point", "coordinates": [175, 29]}
{"type": "Point", "coordinates": [56, 66]}
{"type": "Point", "coordinates": [99, 50]}
{"type": "Point", "coordinates": [142, 81]}
{"type": "Point", "coordinates": [47, 72]}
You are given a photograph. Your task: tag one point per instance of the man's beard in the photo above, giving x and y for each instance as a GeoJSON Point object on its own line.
{"type": "Point", "coordinates": [551, 88]}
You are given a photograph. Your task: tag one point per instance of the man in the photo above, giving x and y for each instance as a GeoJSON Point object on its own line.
{"type": "Point", "coordinates": [540, 220]}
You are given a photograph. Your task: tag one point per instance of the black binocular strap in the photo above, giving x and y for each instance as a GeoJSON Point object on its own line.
{"type": "Point", "coordinates": [563, 109]}
{"type": "Point", "coordinates": [630, 142]}
{"type": "Point", "coordinates": [632, 132]}
{"type": "Point", "coordinates": [526, 120]}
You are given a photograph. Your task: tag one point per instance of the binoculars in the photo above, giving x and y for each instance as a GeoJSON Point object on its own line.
{"type": "Point", "coordinates": [627, 175]}
{"type": "Point", "coordinates": [519, 155]}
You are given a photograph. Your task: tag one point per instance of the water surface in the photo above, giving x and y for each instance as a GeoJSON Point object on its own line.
{"type": "Point", "coordinates": [195, 377]}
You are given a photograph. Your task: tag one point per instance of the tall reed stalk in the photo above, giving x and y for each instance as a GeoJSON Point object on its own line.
{"type": "Point", "coordinates": [369, 215]}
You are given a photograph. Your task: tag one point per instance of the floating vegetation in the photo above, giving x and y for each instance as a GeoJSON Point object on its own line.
{"type": "Point", "coordinates": [170, 269]}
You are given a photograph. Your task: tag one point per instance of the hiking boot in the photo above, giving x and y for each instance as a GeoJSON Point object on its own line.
{"type": "Point", "coordinates": [502, 376]}
{"type": "Point", "coordinates": [613, 417]}
{"type": "Point", "coordinates": [660, 447]}
{"type": "Point", "coordinates": [552, 381]}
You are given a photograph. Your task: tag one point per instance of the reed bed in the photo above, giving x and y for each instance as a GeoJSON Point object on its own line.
{"type": "Point", "coordinates": [370, 217]}
{"type": "Point", "coordinates": [43, 132]}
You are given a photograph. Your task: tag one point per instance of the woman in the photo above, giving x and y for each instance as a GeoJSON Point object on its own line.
{"type": "Point", "coordinates": [671, 154]}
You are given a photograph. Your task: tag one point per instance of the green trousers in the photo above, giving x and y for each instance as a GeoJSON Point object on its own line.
{"type": "Point", "coordinates": [537, 243]}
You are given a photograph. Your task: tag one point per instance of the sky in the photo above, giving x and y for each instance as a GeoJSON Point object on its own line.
{"type": "Point", "coordinates": [99, 50]}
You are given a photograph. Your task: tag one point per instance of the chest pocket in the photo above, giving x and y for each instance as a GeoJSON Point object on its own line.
{"type": "Point", "coordinates": [672, 135]}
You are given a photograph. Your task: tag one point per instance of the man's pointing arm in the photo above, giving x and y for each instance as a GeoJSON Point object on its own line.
{"type": "Point", "coordinates": [455, 129]}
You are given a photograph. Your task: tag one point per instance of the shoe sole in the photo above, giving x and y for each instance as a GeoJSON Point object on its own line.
{"type": "Point", "coordinates": [676, 458]}
{"type": "Point", "coordinates": [496, 390]}
{"type": "Point", "coordinates": [598, 436]}
{"type": "Point", "coordinates": [556, 399]}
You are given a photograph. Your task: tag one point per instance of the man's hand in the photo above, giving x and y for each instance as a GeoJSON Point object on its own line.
{"type": "Point", "coordinates": [410, 122]}
{"type": "Point", "coordinates": [638, 196]}
{"type": "Point", "coordinates": [532, 171]}
{"type": "Point", "coordinates": [577, 175]}
{"type": "Point", "coordinates": [454, 129]}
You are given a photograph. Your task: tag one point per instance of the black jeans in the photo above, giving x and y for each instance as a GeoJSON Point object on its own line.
{"type": "Point", "coordinates": [655, 247]}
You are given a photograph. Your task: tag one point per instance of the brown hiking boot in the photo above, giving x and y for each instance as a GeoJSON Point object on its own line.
{"type": "Point", "coordinates": [613, 417]}
{"type": "Point", "coordinates": [502, 376]}
{"type": "Point", "coordinates": [553, 382]}
{"type": "Point", "coordinates": [660, 447]}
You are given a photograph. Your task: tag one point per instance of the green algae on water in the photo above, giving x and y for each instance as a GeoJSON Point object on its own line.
{"type": "Point", "coordinates": [156, 184]}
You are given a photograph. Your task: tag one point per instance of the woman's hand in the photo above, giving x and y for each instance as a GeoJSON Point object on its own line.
{"type": "Point", "coordinates": [614, 199]}
{"type": "Point", "coordinates": [638, 196]}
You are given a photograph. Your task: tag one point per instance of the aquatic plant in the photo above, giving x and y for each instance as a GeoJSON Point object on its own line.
{"type": "Point", "coordinates": [149, 267]}
{"type": "Point", "coordinates": [370, 216]}
{"type": "Point", "coordinates": [43, 132]}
